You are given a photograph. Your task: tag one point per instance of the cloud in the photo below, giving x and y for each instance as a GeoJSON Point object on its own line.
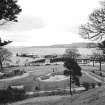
{"type": "Point", "coordinates": [44, 22]}
{"type": "Point", "coordinates": [25, 23]}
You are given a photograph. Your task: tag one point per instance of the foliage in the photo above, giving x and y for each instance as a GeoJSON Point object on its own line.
{"type": "Point", "coordinates": [95, 27]}
{"type": "Point", "coordinates": [86, 85]}
{"type": "Point", "coordinates": [11, 95]}
{"type": "Point", "coordinates": [9, 11]}
{"type": "Point", "coordinates": [66, 72]}
{"type": "Point", "coordinates": [73, 67]}
{"type": "Point", "coordinates": [74, 71]}
{"type": "Point", "coordinates": [3, 43]}
{"type": "Point", "coordinates": [102, 46]}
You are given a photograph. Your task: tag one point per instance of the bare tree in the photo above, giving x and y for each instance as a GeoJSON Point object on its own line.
{"type": "Point", "coordinates": [72, 53]}
{"type": "Point", "coordinates": [4, 56]}
{"type": "Point", "coordinates": [96, 56]}
{"type": "Point", "coordinates": [95, 27]}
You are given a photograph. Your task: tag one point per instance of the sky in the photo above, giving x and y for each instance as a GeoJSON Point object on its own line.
{"type": "Point", "coordinates": [48, 22]}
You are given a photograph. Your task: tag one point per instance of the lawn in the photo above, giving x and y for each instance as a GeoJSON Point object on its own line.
{"type": "Point", "coordinates": [38, 70]}
{"type": "Point", "coordinates": [96, 67]}
{"type": "Point", "coordinates": [89, 68]}
{"type": "Point", "coordinates": [35, 71]}
{"type": "Point", "coordinates": [87, 79]}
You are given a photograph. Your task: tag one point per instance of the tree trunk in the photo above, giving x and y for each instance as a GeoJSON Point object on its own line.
{"type": "Point", "coordinates": [1, 67]}
{"type": "Point", "coordinates": [93, 63]}
{"type": "Point", "coordinates": [100, 68]}
{"type": "Point", "coordinates": [70, 84]}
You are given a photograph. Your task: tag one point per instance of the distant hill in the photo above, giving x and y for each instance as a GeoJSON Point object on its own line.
{"type": "Point", "coordinates": [73, 45]}
{"type": "Point", "coordinates": [76, 45]}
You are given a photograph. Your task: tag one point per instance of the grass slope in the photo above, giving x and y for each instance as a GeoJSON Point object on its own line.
{"type": "Point", "coordinates": [91, 97]}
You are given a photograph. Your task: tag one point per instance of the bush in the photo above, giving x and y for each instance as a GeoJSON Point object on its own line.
{"type": "Point", "coordinates": [93, 71]}
{"type": "Point", "coordinates": [93, 85]}
{"type": "Point", "coordinates": [10, 74]}
{"type": "Point", "coordinates": [86, 85]}
{"type": "Point", "coordinates": [37, 88]}
{"type": "Point", "coordinates": [99, 84]}
{"type": "Point", "coordinates": [101, 74]}
{"type": "Point", "coordinates": [11, 95]}
{"type": "Point", "coordinates": [17, 72]}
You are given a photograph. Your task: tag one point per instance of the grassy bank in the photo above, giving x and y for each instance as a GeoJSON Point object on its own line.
{"type": "Point", "coordinates": [91, 97]}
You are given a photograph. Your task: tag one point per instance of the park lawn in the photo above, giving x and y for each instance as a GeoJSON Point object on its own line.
{"type": "Point", "coordinates": [87, 79]}
{"type": "Point", "coordinates": [35, 71]}
{"type": "Point", "coordinates": [89, 68]}
{"type": "Point", "coordinates": [41, 69]}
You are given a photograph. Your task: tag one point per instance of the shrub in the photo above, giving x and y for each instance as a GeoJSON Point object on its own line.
{"type": "Point", "coordinates": [17, 72]}
{"type": "Point", "coordinates": [93, 85]}
{"type": "Point", "coordinates": [86, 85]}
{"type": "Point", "coordinates": [37, 88]}
{"type": "Point", "coordinates": [11, 95]}
{"type": "Point", "coordinates": [93, 71]}
{"type": "Point", "coordinates": [101, 74]}
{"type": "Point", "coordinates": [99, 84]}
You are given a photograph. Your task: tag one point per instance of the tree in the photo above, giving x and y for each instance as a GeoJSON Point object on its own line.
{"type": "Point", "coordinates": [4, 56]}
{"type": "Point", "coordinates": [95, 27]}
{"type": "Point", "coordinates": [72, 53]}
{"type": "Point", "coordinates": [99, 56]}
{"type": "Point", "coordinates": [9, 11]}
{"type": "Point", "coordinates": [3, 43]}
{"type": "Point", "coordinates": [101, 46]}
{"type": "Point", "coordinates": [74, 70]}
{"type": "Point", "coordinates": [96, 56]}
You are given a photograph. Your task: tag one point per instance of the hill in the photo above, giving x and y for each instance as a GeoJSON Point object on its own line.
{"type": "Point", "coordinates": [73, 45]}
{"type": "Point", "coordinates": [76, 45]}
{"type": "Point", "coordinates": [84, 48]}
